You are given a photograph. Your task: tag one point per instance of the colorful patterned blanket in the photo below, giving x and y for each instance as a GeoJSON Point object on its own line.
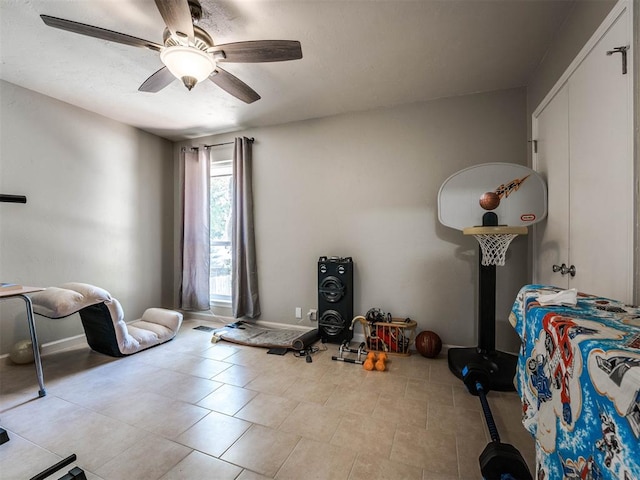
{"type": "Point", "coordinates": [579, 380]}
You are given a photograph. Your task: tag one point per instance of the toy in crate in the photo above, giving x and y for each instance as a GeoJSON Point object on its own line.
{"type": "Point", "coordinates": [384, 333]}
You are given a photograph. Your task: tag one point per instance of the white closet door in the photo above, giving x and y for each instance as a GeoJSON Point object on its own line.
{"type": "Point", "coordinates": [601, 170]}
{"type": "Point", "coordinates": [585, 151]}
{"type": "Point", "coordinates": [552, 161]}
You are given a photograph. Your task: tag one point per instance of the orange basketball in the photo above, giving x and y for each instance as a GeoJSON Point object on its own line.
{"type": "Point", "coordinates": [428, 344]}
{"type": "Point", "coordinates": [489, 200]}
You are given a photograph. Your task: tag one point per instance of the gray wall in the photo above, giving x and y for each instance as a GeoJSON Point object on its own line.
{"type": "Point", "coordinates": [365, 185]}
{"type": "Point", "coordinates": [99, 209]}
{"type": "Point", "coordinates": [583, 20]}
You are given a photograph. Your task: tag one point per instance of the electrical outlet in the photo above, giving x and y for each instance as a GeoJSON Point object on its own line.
{"type": "Point", "coordinates": [298, 312]}
{"type": "Point", "coordinates": [312, 315]}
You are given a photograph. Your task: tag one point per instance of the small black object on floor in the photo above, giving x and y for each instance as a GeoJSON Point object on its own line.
{"type": "Point", "coordinates": [204, 328]}
{"type": "Point", "coordinates": [345, 348]}
{"type": "Point", "coordinates": [501, 366]}
{"type": "Point", "coordinates": [76, 473]}
{"type": "Point", "coordinates": [277, 351]}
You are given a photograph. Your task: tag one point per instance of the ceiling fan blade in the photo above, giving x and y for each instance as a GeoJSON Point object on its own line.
{"type": "Point", "coordinates": [156, 82]}
{"type": "Point", "coordinates": [98, 32]}
{"type": "Point", "coordinates": [177, 16]}
{"type": "Point", "coordinates": [233, 85]}
{"type": "Point", "coordinates": [258, 51]}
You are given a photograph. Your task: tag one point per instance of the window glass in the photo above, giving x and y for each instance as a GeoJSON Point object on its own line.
{"type": "Point", "coordinates": [221, 188]}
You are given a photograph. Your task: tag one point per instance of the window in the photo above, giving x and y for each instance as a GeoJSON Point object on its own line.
{"type": "Point", "coordinates": [220, 191]}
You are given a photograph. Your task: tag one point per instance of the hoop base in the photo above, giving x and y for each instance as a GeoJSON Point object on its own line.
{"type": "Point", "coordinates": [501, 366]}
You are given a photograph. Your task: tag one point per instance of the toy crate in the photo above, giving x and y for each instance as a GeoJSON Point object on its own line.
{"type": "Point", "coordinates": [394, 338]}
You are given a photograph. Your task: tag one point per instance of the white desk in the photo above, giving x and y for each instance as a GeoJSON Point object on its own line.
{"type": "Point", "coordinates": [22, 293]}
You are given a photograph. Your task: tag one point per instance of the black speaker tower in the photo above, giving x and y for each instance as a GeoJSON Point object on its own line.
{"type": "Point", "coordinates": [335, 299]}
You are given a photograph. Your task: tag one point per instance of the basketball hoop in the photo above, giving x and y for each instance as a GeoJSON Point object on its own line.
{"type": "Point", "coordinates": [494, 241]}
{"type": "Point", "coordinates": [490, 195]}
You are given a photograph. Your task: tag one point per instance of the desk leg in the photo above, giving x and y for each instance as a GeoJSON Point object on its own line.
{"type": "Point", "coordinates": [34, 343]}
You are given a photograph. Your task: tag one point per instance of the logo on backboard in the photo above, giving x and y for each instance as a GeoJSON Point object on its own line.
{"type": "Point", "coordinates": [506, 189]}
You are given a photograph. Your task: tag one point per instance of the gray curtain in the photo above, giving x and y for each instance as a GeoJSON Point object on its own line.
{"type": "Point", "coordinates": [194, 290]}
{"type": "Point", "coordinates": [244, 296]}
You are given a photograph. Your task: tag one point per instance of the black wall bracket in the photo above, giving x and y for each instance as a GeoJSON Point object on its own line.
{"type": "Point", "coordinates": [13, 198]}
{"type": "Point", "coordinates": [623, 51]}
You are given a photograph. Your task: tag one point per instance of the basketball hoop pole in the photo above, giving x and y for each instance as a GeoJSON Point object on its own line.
{"type": "Point", "coordinates": [500, 365]}
{"type": "Point", "coordinates": [487, 297]}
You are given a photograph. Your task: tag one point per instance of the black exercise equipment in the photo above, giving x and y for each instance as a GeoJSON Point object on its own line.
{"type": "Point", "coordinates": [498, 461]}
{"type": "Point", "coordinates": [501, 365]}
{"type": "Point", "coordinates": [4, 436]}
{"type": "Point", "coordinates": [344, 348]}
{"type": "Point", "coordinates": [76, 473]}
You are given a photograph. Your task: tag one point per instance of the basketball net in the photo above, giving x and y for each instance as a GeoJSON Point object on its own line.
{"type": "Point", "coordinates": [494, 242]}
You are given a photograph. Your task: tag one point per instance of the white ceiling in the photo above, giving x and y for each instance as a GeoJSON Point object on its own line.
{"type": "Point", "coordinates": [357, 55]}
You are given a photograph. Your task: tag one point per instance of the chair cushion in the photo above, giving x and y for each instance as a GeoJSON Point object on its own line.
{"type": "Point", "coordinates": [156, 326]}
{"type": "Point", "coordinates": [59, 302]}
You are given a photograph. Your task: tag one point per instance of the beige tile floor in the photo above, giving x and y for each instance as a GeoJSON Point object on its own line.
{"type": "Point", "coordinates": [190, 409]}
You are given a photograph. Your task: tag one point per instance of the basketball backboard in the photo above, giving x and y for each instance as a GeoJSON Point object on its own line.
{"type": "Point", "coordinates": [515, 193]}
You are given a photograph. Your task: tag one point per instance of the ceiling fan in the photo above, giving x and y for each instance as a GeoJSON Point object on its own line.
{"type": "Point", "coordinates": [189, 53]}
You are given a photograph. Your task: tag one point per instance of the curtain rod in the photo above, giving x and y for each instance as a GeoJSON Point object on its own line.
{"type": "Point", "coordinates": [193, 149]}
{"type": "Point", "coordinates": [251, 140]}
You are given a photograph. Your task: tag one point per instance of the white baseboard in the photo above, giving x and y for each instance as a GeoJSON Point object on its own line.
{"type": "Point", "coordinates": [208, 316]}
{"type": "Point", "coordinates": [284, 325]}
{"type": "Point", "coordinates": [63, 344]}
{"type": "Point", "coordinates": [60, 345]}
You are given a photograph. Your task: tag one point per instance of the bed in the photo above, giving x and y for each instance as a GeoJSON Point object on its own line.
{"type": "Point", "coordinates": [578, 377]}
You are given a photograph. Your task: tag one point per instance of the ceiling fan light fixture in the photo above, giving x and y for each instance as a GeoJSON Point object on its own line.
{"type": "Point", "coordinates": [189, 64]}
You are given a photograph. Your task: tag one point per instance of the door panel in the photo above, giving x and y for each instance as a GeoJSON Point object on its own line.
{"type": "Point", "coordinates": [551, 236]}
{"type": "Point", "coordinates": [601, 171]}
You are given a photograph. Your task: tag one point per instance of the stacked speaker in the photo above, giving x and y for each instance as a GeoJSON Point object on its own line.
{"type": "Point", "coordinates": [335, 299]}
